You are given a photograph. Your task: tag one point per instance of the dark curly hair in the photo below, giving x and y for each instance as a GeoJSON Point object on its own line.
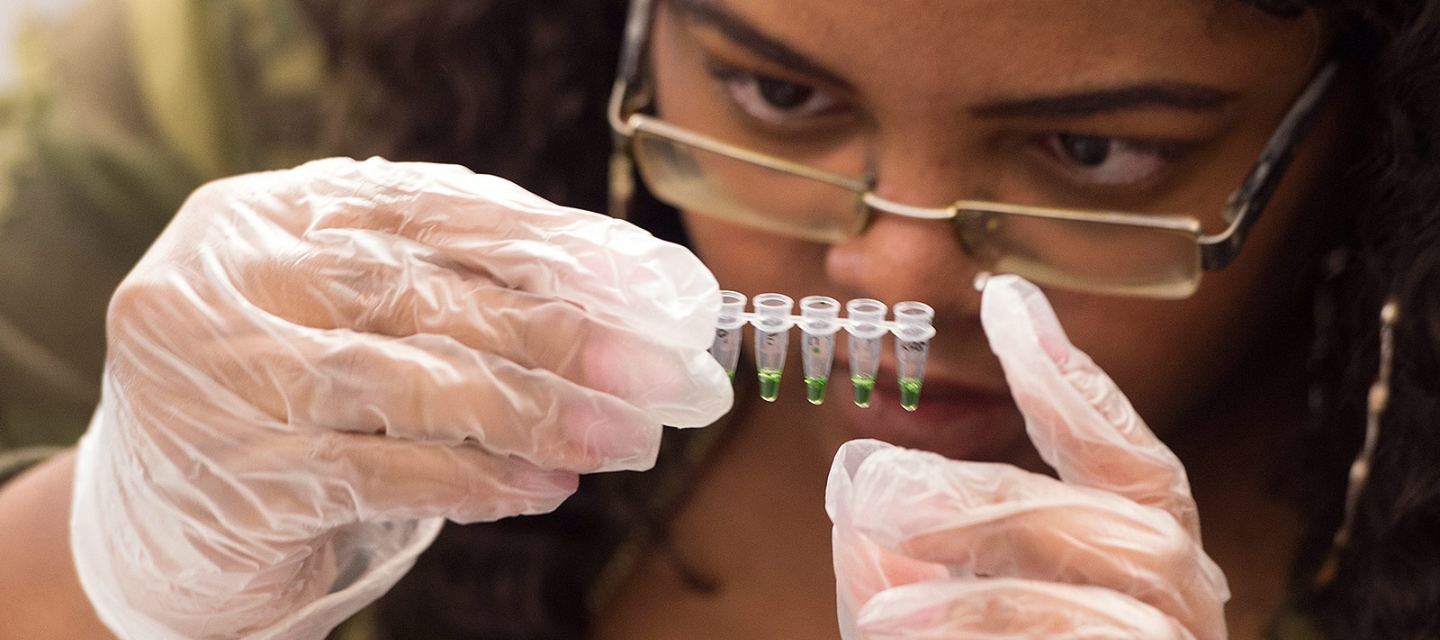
{"type": "Point", "coordinates": [517, 88]}
{"type": "Point", "coordinates": [1388, 579]}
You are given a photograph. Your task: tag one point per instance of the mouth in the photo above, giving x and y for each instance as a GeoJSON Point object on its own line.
{"type": "Point", "coordinates": [956, 419]}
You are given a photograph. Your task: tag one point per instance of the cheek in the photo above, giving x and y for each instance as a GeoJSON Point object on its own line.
{"type": "Point", "coordinates": [1168, 355]}
{"type": "Point", "coordinates": [1164, 358]}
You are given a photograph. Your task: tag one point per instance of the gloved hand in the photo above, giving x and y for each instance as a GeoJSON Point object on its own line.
{"type": "Point", "coordinates": [312, 368]}
{"type": "Point", "coordinates": [931, 548]}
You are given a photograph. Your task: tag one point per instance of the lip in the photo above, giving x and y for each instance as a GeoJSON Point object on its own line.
{"type": "Point", "coordinates": [935, 378]}
{"type": "Point", "coordinates": [955, 419]}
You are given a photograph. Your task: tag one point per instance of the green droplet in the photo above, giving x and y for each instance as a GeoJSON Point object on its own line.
{"type": "Point", "coordinates": [910, 394]}
{"type": "Point", "coordinates": [731, 374]}
{"type": "Point", "coordinates": [769, 385]}
{"type": "Point", "coordinates": [815, 389]}
{"type": "Point", "coordinates": [864, 386]}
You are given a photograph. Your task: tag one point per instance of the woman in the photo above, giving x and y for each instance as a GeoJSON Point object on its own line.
{"type": "Point", "coordinates": [1118, 106]}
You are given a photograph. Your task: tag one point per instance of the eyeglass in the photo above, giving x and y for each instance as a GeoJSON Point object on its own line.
{"type": "Point", "coordinates": [1107, 252]}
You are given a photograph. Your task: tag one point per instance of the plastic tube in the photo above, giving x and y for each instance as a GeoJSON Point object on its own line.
{"type": "Point", "coordinates": [913, 331]}
{"type": "Point", "coordinates": [867, 324]}
{"type": "Point", "coordinates": [772, 339]}
{"type": "Point", "coordinates": [726, 347]}
{"type": "Point", "coordinates": [818, 315]}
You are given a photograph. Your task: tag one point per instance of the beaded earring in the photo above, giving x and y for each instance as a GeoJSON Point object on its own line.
{"type": "Point", "coordinates": [1376, 402]}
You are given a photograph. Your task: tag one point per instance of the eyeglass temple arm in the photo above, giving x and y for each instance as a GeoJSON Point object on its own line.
{"type": "Point", "coordinates": [621, 170]}
{"type": "Point", "coordinates": [1243, 208]}
{"type": "Point", "coordinates": [637, 31]}
{"type": "Point", "coordinates": [637, 27]}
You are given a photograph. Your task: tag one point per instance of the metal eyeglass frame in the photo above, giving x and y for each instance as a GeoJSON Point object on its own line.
{"type": "Point", "coordinates": [1242, 208]}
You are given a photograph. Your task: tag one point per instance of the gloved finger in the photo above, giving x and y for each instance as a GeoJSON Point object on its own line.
{"type": "Point", "coordinates": [432, 388]}
{"type": "Point", "coordinates": [610, 267]}
{"type": "Point", "coordinates": [997, 520]}
{"type": "Point", "coordinates": [360, 280]}
{"type": "Point", "coordinates": [422, 387]}
{"type": "Point", "coordinates": [390, 480]}
{"type": "Point", "coordinates": [863, 568]}
{"type": "Point", "coordinates": [1079, 421]}
{"type": "Point", "coordinates": [288, 486]}
{"type": "Point", "coordinates": [994, 609]}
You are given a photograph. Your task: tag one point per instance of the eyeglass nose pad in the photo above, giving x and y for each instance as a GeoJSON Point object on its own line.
{"type": "Point", "coordinates": [866, 213]}
{"type": "Point", "coordinates": [971, 229]}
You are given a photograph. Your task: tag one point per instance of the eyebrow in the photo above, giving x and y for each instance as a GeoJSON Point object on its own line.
{"type": "Point", "coordinates": [1164, 95]}
{"type": "Point", "coordinates": [711, 14]}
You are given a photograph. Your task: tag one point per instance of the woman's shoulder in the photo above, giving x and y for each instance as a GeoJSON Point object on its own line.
{"type": "Point", "coordinates": [119, 110]}
{"type": "Point", "coordinates": [220, 86]}
{"type": "Point", "coordinates": [228, 86]}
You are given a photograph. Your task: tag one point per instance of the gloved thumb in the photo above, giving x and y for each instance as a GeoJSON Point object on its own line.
{"type": "Point", "coordinates": [862, 567]}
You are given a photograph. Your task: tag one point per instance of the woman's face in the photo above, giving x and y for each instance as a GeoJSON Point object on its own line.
{"type": "Point", "coordinates": [1152, 106]}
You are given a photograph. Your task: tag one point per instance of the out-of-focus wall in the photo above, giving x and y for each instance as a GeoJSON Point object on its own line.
{"type": "Point", "coordinates": [10, 12]}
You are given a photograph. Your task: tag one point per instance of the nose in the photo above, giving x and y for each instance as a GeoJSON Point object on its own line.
{"type": "Point", "coordinates": [901, 257]}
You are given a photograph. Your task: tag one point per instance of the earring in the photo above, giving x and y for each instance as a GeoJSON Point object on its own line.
{"type": "Point", "coordinates": [1376, 402]}
{"type": "Point", "coordinates": [622, 181]}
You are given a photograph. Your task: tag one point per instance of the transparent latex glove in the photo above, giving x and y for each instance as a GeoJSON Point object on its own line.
{"type": "Point", "coordinates": [932, 548]}
{"type": "Point", "coordinates": [311, 368]}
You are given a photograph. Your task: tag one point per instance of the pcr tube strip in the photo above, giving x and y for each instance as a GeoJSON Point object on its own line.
{"type": "Point", "coordinates": [819, 321]}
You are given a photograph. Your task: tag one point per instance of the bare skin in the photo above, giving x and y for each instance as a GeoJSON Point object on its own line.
{"type": "Point", "coordinates": [39, 590]}
{"type": "Point", "coordinates": [936, 150]}
{"type": "Point", "coordinates": [756, 521]}
{"type": "Point", "coordinates": [932, 148]}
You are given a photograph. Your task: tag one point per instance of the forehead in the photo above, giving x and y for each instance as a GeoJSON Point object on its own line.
{"type": "Point", "coordinates": [984, 46]}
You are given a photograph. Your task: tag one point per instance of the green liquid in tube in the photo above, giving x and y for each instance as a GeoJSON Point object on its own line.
{"type": "Point", "coordinates": [910, 394]}
{"type": "Point", "coordinates": [864, 386]}
{"type": "Point", "coordinates": [769, 385]}
{"type": "Point", "coordinates": [815, 389]}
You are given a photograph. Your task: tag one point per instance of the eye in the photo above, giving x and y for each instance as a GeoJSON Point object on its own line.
{"type": "Point", "coordinates": [772, 100]}
{"type": "Point", "coordinates": [1107, 161]}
